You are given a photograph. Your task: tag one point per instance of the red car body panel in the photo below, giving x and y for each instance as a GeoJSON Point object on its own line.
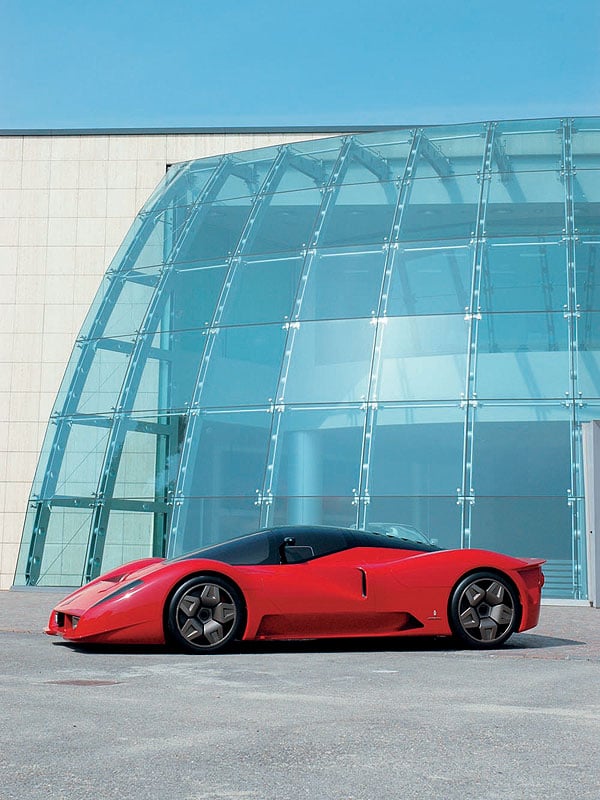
{"type": "Point", "coordinates": [360, 591]}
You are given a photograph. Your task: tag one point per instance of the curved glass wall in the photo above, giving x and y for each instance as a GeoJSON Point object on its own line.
{"type": "Point", "coordinates": [398, 327]}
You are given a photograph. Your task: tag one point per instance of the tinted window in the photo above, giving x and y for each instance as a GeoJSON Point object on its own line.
{"type": "Point", "coordinates": [253, 549]}
{"type": "Point", "coordinates": [374, 539]}
{"type": "Point", "coordinates": [323, 541]}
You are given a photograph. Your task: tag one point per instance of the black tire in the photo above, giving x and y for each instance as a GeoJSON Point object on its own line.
{"type": "Point", "coordinates": [205, 615]}
{"type": "Point", "coordinates": [484, 609]}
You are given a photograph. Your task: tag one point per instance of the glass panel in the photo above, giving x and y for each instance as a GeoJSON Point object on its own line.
{"type": "Point", "coordinates": [330, 510]}
{"type": "Point", "coordinates": [182, 184]}
{"type": "Point", "coordinates": [330, 362]}
{"type": "Point", "coordinates": [215, 519]}
{"type": "Point", "coordinates": [379, 156]}
{"type": "Point", "coordinates": [423, 358]}
{"type": "Point", "coordinates": [193, 291]}
{"type": "Point", "coordinates": [433, 279]}
{"type": "Point", "coordinates": [170, 370]}
{"type": "Point", "coordinates": [129, 536]}
{"type": "Point", "coordinates": [244, 366]}
{"type": "Point", "coordinates": [456, 150]}
{"type": "Point", "coordinates": [141, 474]}
{"type": "Point", "coordinates": [417, 451]}
{"type": "Point", "coordinates": [101, 380]}
{"type": "Point", "coordinates": [263, 289]}
{"type": "Point", "coordinates": [586, 191]}
{"type": "Point", "coordinates": [304, 170]}
{"type": "Point", "coordinates": [588, 327]}
{"type": "Point", "coordinates": [524, 146]}
{"type": "Point", "coordinates": [529, 202]}
{"type": "Point", "coordinates": [246, 172]}
{"type": "Point", "coordinates": [120, 304]}
{"type": "Point", "coordinates": [524, 276]}
{"type": "Point", "coordinates": [65, 548]}
{"type": "Point", "coordinates": [362, 213]}
{"type": "Point", "coordinates": [311, 164]}
{"type": "Point", "coordinates": [586, 143]}
{"type": "Point", "coordinates": [523, 355]}
{"type": "Point", "coordinates": [526, 527]}
{"type": "Point", "coordinates": [441, 208]}
{"type": "Point", "coordinates": [230, 454]}
{"type": "Point", "coordinates": [82, 455]}
{"type": "Point", "coordinates": [588, 275]}
{"type": "Point", "coordinates": [343, 283]}
{"type": "Point", "coordinates": [318, 454]}
{"type": "Point", "coordinates": [439, 518]}
{"type": "Point", "coordinates": [215, 230]}
{"type": "Point", "coordinates": [285, 223]}
{"type": "Point", "coordinates": [150, 240]}
{"type": "Point", "coordinates": [522, 450]}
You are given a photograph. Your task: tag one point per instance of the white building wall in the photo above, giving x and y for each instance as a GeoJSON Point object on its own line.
{"type": "Point", "coordinates": [66, 203]}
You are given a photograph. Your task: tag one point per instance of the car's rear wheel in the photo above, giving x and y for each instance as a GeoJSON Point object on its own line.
{"type": "Point", "coordinates": [484, 609]}
{"type": "Point", "coordinates": [205, 614]}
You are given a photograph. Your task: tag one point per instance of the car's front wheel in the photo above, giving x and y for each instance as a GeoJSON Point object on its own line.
{"type": "Point", "coordinates": [205, 614]}
{"type": "Point", "coordinates": [484, 609]}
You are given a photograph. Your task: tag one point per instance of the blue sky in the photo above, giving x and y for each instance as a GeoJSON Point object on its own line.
{"type": "Point", "coordinates": [186, 63]}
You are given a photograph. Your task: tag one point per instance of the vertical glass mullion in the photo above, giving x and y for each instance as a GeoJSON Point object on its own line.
{"type": "Point", "coordinates": [191, 436]}
{"type": "Point", "coordinates": [330, 192]}
{"type": "Point", "coordinates": [575, 492]}
{"type": "Point", "coordinates": [466, 496]}
{"type": "Point", "coordinates": [362, 498]}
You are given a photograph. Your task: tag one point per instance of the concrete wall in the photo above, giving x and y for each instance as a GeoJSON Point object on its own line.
{"type": "Point", "coordinates": [66, 203]}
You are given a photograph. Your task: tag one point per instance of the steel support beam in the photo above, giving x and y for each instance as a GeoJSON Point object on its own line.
{"type": "Point", "coordinates": [435, 158]}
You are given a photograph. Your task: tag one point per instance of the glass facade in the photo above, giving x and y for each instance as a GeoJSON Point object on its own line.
{"type": "Point", "coordinates": [401, 326]}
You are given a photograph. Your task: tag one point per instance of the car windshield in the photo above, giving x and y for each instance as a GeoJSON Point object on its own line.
{"type": "Point", "coordinates": [398, 530]}
{"type": "Point", "coordinates": [253, 549]}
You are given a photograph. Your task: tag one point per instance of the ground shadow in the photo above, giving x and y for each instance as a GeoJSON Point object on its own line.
{"type": "Point", "coordinates": [393, 644]}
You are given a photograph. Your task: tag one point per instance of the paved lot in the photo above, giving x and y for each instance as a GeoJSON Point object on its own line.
{"type": "Point", "coordinates": [392, 720]}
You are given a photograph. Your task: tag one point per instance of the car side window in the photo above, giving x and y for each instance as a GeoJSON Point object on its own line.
{"type": "Point", "coordinates": [306, 545]}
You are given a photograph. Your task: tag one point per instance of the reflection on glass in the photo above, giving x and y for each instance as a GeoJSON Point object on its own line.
{"type": "Point", "coordinates": [423, 358]}
{"type": "Point", "coordinates": [430, 279]}
{"type": "Point", "coordinates": [263, 289]}
{"type": "Point", "coordinates": [437, 517]}
{"type": "Point", "coordinates": [524, 276]}
{"type": "Point", "coordinates": [523, 355]}
{"type": "Point", "coordinates": [343, 283]}
{"type": "Point", "coordinates": [417, 451]}
{"type": "Point", "coordinates": [441, 208]}
{"type": "Point", "coordinates": [330, 362]}
{"type": "Point", "coordinates": [526, 203]}
{"type": "Point", "coordinates": [318, 454]}
{"type": "Point", "coordinates": [285, 222]}
{"type": "Point", "coordinates": [243, 366]}
{"type": "Point", "coordinates": [522, 450]}
{"type": "Point", "coordinates": [527, 146]}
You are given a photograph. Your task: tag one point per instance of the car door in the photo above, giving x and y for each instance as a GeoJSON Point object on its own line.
{"type": "Point", "coordinates": [324, 594]}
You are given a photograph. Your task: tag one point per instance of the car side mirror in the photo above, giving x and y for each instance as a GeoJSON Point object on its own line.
{"type": "Point", "coordinates": [291, 553]}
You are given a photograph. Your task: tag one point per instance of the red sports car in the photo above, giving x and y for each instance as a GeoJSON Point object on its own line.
{"type": "Point", "coordinates": [306, 582]}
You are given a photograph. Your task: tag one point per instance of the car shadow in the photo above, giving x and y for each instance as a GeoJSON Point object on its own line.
{"type": "Point", "coordinates": [415, 644]}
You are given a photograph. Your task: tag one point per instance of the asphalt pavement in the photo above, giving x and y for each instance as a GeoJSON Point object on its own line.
{"type": "Point", "coordinates": [404, 719]}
